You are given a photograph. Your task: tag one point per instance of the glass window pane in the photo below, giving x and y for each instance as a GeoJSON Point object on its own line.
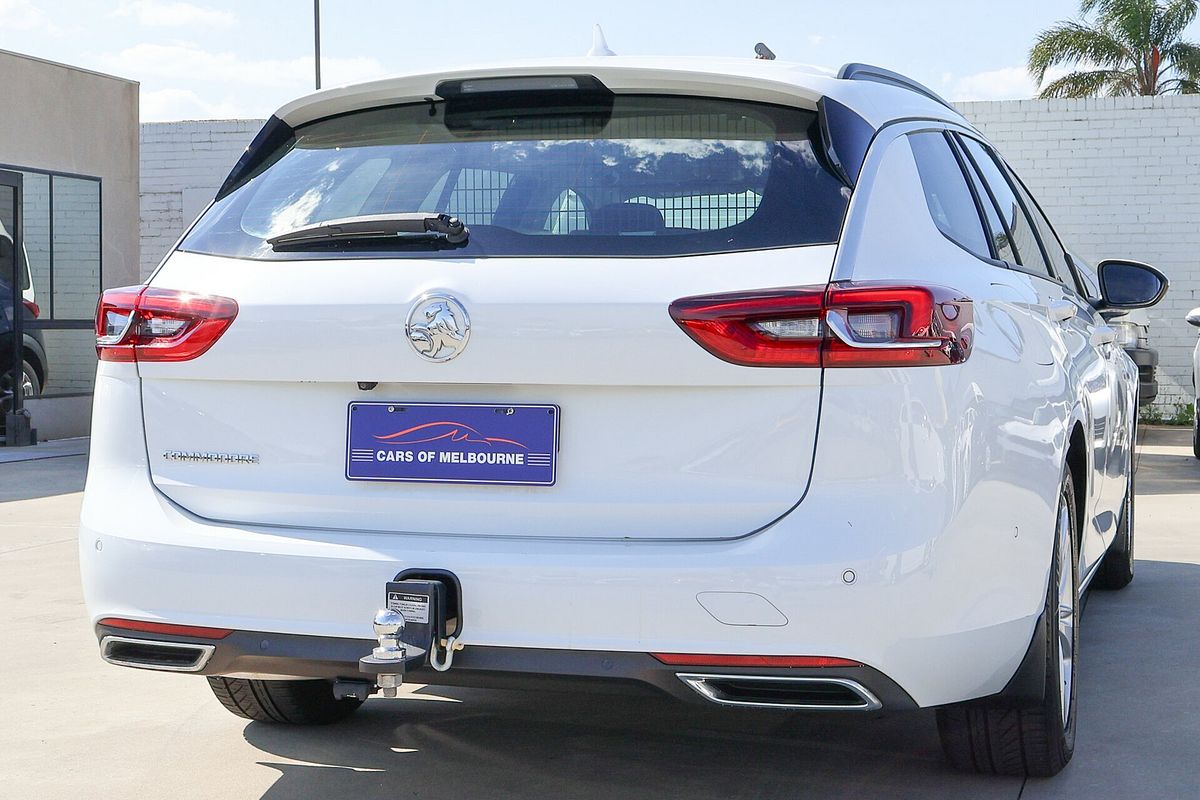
{"type": "Point", "coordinates": [1024, 240]}
{"type": "Point", "coordinates": [947, 194]}
{"type": "Point", "coordinates": [76, 244]}
{"type": "Point", "coordinates": [652, 176]}
{"type": "Point", "coordinates": [35, 220]}
{"type": "Point", "coordinates": [1054, 249]}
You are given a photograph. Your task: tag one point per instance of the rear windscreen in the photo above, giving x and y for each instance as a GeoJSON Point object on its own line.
{"type": "Point", "coordinates": [650, 176]}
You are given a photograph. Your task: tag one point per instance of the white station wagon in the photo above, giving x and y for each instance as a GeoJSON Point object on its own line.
{"type": "Point", "coordinates": [742, 380]}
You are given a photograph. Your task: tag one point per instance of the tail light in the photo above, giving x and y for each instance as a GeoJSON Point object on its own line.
{"type": "Point", "coordinates": [33, 308]}
{"type": "Point", "coordinates": [165, 627]}
{"type": "Point", "coordinates": [698, 660]}
{"type": "Point", "coordinates": [840, 325]}
{"type": "Point", "coordinates": [139, 323]}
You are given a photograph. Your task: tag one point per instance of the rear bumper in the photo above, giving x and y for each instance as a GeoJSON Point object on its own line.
{"type": "Point", "coordinates": [919, 583]}
{"type": "Point", "coordinates": [304, 600]}
{"type": "Point", "coordinates": [250, 653]}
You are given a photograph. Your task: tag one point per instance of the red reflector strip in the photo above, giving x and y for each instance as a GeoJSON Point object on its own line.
{"type": "Point", "coordinates": [163, 627]}
{"type": "Point", "coordinates": [700, 660]}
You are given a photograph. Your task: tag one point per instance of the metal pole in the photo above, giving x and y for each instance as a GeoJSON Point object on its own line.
{"type": "Point", "coordinates": [317, 38]}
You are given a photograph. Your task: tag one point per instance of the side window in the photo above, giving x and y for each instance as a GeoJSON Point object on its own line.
{"type": "Point", "coordinates": [1054, 248]}
{"type": "Point", "coordinates": [997, 231]}
{"type": "Point", "coordinates": [947, 193]}
{"type": "Point", "coordinates": [1021, 233]}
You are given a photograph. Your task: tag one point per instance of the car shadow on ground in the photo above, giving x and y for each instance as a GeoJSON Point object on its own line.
{"type": "Point", "coordinates": [1165, 463]}
{"type": "Point", "coordinates": [1137, 687]}
{"type": "Point", "coordinates": [44, 477]}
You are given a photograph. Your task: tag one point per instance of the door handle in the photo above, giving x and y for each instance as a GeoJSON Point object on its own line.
{"type": "Point", "coordinates": [1103, 335]}
{"type": "Point", "coordinates": [1062, 310]}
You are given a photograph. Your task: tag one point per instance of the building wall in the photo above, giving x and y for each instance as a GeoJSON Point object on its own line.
{"type": "Point", "coordinates": [1119, 178]}
{"type": "Point", "coordinates": [70, 120]}
{"type": "Point", "coordinates": [183, 165]}
{"type": "Point", "coordinates": [62, 119]}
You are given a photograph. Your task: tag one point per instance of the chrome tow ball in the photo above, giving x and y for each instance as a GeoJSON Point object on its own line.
{"type": "Point", "coordinates": [386, 661]}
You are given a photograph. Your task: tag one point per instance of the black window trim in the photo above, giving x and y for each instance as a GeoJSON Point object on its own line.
{"type": "Point", "coordinates": [978, 174]}
{"type": "Point", "coordinates": [1007, 173]}
{"type": "Point", "coordinates": [959, 156]}
{"type": "Point", "coordinates": [1067, 257]}
{"type": "Point", "coordinates": [1011, 177]}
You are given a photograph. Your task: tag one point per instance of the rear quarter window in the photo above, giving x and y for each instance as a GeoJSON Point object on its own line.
{"type": "Point", "coordinates": [947, 194]}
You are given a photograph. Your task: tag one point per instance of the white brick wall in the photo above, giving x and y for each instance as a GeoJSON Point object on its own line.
{"type": "Point", "coordinates": [1119, 177]}
{"type": "Point", "coordinates": [179, 158]}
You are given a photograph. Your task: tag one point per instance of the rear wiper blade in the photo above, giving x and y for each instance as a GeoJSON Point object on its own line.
{"type": "Point", "coordinates": [415, 226]}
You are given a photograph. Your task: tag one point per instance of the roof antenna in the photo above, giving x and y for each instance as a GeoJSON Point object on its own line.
{"type": "Point", "coordinates": [599, 46]}
{"type": "Point", "coordinates": [763, 53]}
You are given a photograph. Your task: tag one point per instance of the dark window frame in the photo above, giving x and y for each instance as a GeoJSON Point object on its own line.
{"type": "Point", "coordinates": [1010, 178]}
{"type": "Point", "coordinates": [1068, 259]}
{"type": "Point", "coordinates": [50, 321]}
{"type": "Point", "coordinates": [977, 174]}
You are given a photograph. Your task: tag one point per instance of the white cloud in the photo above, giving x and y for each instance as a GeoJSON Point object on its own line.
{"type": "Point", "coordinates": [22, 15]}
{"type": "Point", "coordinates": [999, 84]}
{"type": "Point", "coordinates": [189, 62]}
{"type": "Point", "coordinates": [173, 14]}
{"type": "Point", "coordinates": [169, 105]}
{"type": "Point", "coordinates": [816, 39]}
{"type": "Point", "coordinates": [1011, 83]}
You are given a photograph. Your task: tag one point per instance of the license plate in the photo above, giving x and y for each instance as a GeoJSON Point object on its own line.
{"type": "Point", "coordinates": [452, 443]}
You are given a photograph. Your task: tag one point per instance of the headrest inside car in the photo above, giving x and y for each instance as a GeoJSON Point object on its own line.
{"type": "Point", "coordinates": [618, 218]}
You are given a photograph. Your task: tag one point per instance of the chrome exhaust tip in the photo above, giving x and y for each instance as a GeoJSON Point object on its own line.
{"type": "Point", "coordinates": [151, 654]}
{"type": "Point", "coordinates": [772, 691]}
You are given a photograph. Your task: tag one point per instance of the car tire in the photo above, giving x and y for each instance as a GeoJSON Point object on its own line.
{"type": "Point", "coordinates": [283, 702]}
{"type": "Point", "coordinates": [33, 387]}
{"type": "Point", "coordinates": [1033, 739]}
{"type": "Point", "coordinates": [1116, 571]}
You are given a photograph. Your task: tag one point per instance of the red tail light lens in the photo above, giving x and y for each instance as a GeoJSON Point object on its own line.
{"type": "Point", "coordinates": [139, 323]}
{"type": "Point", "coordinates": [34, 309]}
{"type": "Point", "coordinates": [840, 325]}
{"type": "Point", "coordinates": [772, 328]}
{"type": "Point", "coordinates": [165, 627]}
{"type": "Point", "coordinates": [697, 660]}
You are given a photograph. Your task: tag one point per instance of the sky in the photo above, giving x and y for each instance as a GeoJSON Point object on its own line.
{"type": "Point", "coordinates": [210, 59]}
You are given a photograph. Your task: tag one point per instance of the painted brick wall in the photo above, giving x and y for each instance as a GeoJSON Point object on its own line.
{"type": "Point", "coordinates": [183, 164]}
{"type": "Point", "coordinates": [1119, 177]}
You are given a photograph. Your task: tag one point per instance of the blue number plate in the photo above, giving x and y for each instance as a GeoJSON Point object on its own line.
{"type": "Point", "coordinates": [452, 443]}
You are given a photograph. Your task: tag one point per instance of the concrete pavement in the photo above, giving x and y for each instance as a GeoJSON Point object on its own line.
{"type": "Point", "coordinates": [73, 726]}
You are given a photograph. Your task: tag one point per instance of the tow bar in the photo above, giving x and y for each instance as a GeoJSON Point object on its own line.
{"type": "Point", "coordinates": [418, 627]}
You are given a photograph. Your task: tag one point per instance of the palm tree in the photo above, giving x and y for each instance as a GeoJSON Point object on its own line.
{"type": "Point", "coordinates": [1132, 47]}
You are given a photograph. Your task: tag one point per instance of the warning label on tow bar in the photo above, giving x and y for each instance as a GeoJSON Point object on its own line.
{"type": "Point", "coordinates": [413, 607]}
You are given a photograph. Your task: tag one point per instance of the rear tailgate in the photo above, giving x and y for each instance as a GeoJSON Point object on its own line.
{"type": "Point", "coordinates": [657, 438]}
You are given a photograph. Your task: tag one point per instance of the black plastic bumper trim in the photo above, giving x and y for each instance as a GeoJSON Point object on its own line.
{"type": "Point", "coordinates": [530, 669]}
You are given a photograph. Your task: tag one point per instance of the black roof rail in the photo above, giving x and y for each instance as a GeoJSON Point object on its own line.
{"type": "Point", "coordinates": [867, 72]}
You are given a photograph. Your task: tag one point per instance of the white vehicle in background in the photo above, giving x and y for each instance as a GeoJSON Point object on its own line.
{"type": "Point", "coordinates": [756, 384]}
{"type": "Point", "coordinates": [1193, 319]}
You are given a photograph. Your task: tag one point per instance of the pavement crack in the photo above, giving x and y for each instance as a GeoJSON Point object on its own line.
{"type": "Point", "coordinates": [35, 546]}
